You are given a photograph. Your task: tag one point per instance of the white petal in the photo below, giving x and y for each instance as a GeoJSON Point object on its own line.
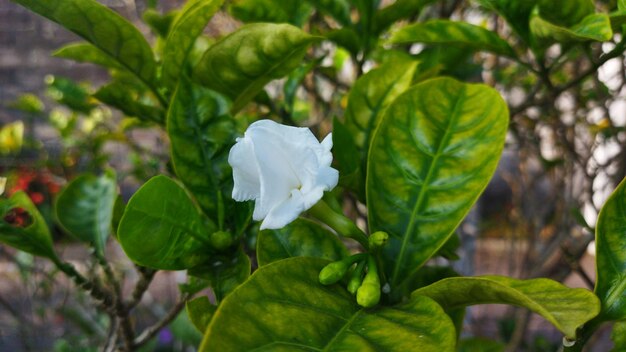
{"type": "Point", "coordinates": [326, 157]}
{"type": "Point", "coordinates": [328, 178]}
{"type": "Point", "coordinates": [245, 170]}
{"type": "Point", "coordinates": [285, 212]}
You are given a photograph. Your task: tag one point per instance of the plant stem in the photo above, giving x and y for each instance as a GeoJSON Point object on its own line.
{"type": "Point", "coordinates": [339, 223]}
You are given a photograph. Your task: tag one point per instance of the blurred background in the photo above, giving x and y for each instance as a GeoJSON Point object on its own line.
{"type": "Point", "coordinates": [565, 153]}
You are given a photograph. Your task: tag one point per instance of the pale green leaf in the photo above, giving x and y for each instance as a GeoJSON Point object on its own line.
{"type": "Point", "coordinates": [595, 27]}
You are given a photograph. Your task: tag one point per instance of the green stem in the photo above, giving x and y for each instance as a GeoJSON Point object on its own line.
{"type": "Point", "coordinates": [338, 222]}
{"type": "Point", "coordinates": [584, 335]}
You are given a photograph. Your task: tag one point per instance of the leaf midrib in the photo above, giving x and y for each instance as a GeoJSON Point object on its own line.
{"type": "Point", "coordinates": [423, 190]}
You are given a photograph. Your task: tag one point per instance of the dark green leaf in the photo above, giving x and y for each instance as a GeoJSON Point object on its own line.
{"type": "Point", "coordinates": [224, 272]}
{"type": "Point", "coordinates": [565, 13]}
{"type": "Point", "coordinates": [453, 33]}
{"type": "Point", "coordinates": [516, 13]}
{"type": "Point", "coordinates": [85, 208]}
{"type": "Point", "coordinates": [159, 23]}
{"type": "Point", "coordinates": [400, 9]}
{"type": "Point", "coordinates": [337, 9]}
{"type": "Point", "coordinates": [566, 308]}
{"type": "Point", "coordinates": [432, 155]}
{"type": "Point", "coordinates": [200, 311]}
{"type": "Point", "coordinates": [85, 52]}
{"type": "Point", "coordinates": [186, 28]}
{"type": "Point", "coordinates": [345, 154]}
{"type": "Point", "coordinates": [70, 94]}
{"type": "Point", "coordinates": [611, 256]}
{"type": "Point", "coordinates": [347, 38]}
{"type": "Point", "coordinates": [370, 96]}
{"type": "Point", "coordinates": [242, 63]}
{"type": "Point", "coordinates": [102, 27]}
{"type": "Point", "coordinates": [277, 11]}
{"type": "Point", "coordinates": [283, 307]}
{"type": "Point", "coordinates": [201, 133]}
{"type": "Point", "coordinates": [162, 229]}
{"type": "Point", "coordinates": [301, 238]}
{"type": "Point", "coordinates": [121, 96]}
{"type": "Point", "coordinates": [23, 227]}
{"type": "Point", "coordinates": [593, 27]}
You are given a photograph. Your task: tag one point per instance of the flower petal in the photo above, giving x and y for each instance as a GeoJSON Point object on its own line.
{"type": "Point", "coordinates": [245, 171]}
{"type": "Point", "coordinates": [284, 213]}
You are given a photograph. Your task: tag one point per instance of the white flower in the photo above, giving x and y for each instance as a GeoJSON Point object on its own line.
{"type": "Point", "coordinates": [284, 169]}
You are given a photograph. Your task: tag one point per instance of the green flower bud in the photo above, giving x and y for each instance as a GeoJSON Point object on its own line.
{"type": "Point", "coordinates": [221, 240]}
{"type": "Point", "coordinates": [368, 295]}
{"type": "Point", "coordinates": [356, 278]}
{"type": "Point", "coordinates": [333, 272]}
{"type": "Point", "coordinates": [378, 239]}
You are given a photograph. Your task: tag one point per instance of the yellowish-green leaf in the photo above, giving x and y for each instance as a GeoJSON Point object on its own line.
{"type": "Point", "coordinates": [596, 27]}
{"type": "Point", "coordinates": [200, 312]}
{"type": "Point", "coordinates": [566, 308]}
{"type": "Point", "coordinates": [85, 52]}
{"type": "Point", "coordinates": [283, 307]}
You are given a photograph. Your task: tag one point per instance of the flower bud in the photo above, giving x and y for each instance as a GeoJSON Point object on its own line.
{"type": "Point", "coordinates": [356, 278]}
{"type": "Point", "coordinates": [221, 240]}
{"type": "Point", "coordinates": [368, 295]}
{"type": "Point", "coordinates": [333, 272]}
{"type": "Point", "coordinates": [378, 239]}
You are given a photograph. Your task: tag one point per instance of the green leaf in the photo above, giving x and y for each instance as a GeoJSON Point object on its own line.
{"type": "Point", "coordinates": [432, 155]}
{"type": "Point", "coordinates": [242, 63]}
{"type": "Point", "coordinates": [121, 96]}
{"type": "Point", "coordinates": [201, 133]}
{"type": "Point", "coordinates": [370, 96]}
{"type": "Point", "coordinates": [301, 238]}
{"type": "Point", "coordinates": [401, 9]}
{"type": "Point", "coordinates": [565, 13]}
{"type": "Point", "coordinates": [618, 336]}
{"type": "Point", "coordinates": [200, 311]}
{"type": "Point", "coordinates": [611, 256]}
{"type": "Point", "coordinates": [187, 26]}
{"type": "Point", "coordinates": [453, 33]}
{"type": "Point", "coordinates": [566, 308]}
{"type": "Point", "coordinates": [621, 5]}
{"type": "Point", "coordinates": [224, 272]}
{"type": "Point", "coordinates": [162, 229]}
{"type": "Point", "coordinates": [337, 9]}
{"type": "Point", "coordinates": [478, 344]}
{"type": "Point", "coordinates": [277, 11]}
{"type": "Point", "coordinates": [102, 27]}
{"type": "Point", "coordinates": [85, 208]}
{"type": "Point", "coordinates": [85, 52]}
{"type": "Point", "coordinates": [287, 309]}
{"type": "Point", "coordinates": [595, 27]}
{"type": "Point", "coordinates": [69, 93]}
{"type": "Point", "coordinates": [344, 152]}
{"type": "Point", "coordinates": [516, 13]}
{"type": "Point", "coordinates": [23, 227]}
{"type": "Point", "coordinates": [160, 24]}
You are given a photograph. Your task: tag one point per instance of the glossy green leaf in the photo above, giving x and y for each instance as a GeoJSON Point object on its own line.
{"type": "Point", "coordinates": [242, 63]}
{"type": "Point", "coordinates": [161, 228]}
{"type": "Point", "coordinates": [187, 26]}
{"type": "Point", "coordinates": [477, 344]}
{"type": "Point", "coordinates": [85, 52]}
{"type": "Point", "coordinates": [23, 227]}
{"type": "Point", "coordinates": [595, 27]}
{"type": "Point", "coordinates": [566, 308]}
{"type": "Point", "coordinates": [565, 13]}
{"type": "Point", "coordinates": [122, 97]}
{"type": "Point", "coordinates": [200, 311]}
{"type": "Point", "coordinates": [85, 208]}
{"type": "Point", "coordinates": [277, 11]}
{"type": "Point", "coordinates": [370, 96]}
{"type": "Point", "coordinates": [611, 256]}
{"type": "Point", "coordinates": [201, 133]}
{"type": "Point", "coordinates": [344, 152]}
{"type": "Point", "coordinates": [337, 9]}
{"type": "Point", "coordinates": [516, 13]}
{"type": "Point", "coordinates": [453, 33]}
{"type": "Point", "coordinates": [224, 272]}
{"type": "Point", "coordinates": [432, 155]}
{"type": "Point", "coordinates": [102, 27]}
{"type": "Point", "coordinates": [301, 238]}
{"type": "Point", "coordinates": [283, 307]}
{"type": "Point", "coordinates": [400, 9]}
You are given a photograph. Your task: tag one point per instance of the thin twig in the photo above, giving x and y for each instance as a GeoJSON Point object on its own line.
{"type": "Point", "coordinates": [151, 331]}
